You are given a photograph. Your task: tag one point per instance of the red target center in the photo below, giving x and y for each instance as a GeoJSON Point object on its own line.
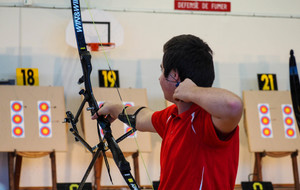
{"type": "Point", "coordinates": [16, 107]}
{"type": "Point", "coordinates": [45, 131]}
{"type": "Point", "coordinates": [290, 132]}
{"type": "Point", "coordinates": [265, 120]}
{"type": "Point", "coordinates": [128, 129]}
{"type": "Point", "coordinates": [287, 110]}
{"type": "Point", "coordinates": [44, 119]}
{"type": "Point", "coordinates": [18, 131]}
{"type": "Point", "coordinates": [267, 132]}
{"type": "Point", "coordinates": [264, 109]}
{"type": "Point", "coordinates": [289, 121]}
{"type": "Point", "coordinates": [17, 119]}
{"type": "Point", "coordinates": [44, 107]}
{"type": "Point", "coordinates": [128, 104]}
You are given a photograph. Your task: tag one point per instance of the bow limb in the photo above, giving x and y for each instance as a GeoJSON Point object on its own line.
{"type": "Point", "coordinates": [295, 87]}
{"type": "Point", "coordinates": [85, 59]}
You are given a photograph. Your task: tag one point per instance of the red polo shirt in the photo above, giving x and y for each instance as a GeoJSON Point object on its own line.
{"type": "Point", "coordinates": [192, 155]}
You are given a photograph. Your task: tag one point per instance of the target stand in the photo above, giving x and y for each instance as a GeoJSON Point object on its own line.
{"type": "Point", "coordinates": [15, 165]}
{"type": "Point", "coordinates": [258, 165]}
{"type": "Point", "coordinates": [271, 128]}
{"type": "Point", "coordinates": [32, 126]}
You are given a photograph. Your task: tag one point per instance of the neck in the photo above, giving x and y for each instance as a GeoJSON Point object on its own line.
{"type": "Point", "coordinates": [183, 106]}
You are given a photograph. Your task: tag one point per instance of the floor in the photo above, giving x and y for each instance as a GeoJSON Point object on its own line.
{"type": "Point", "coordinates": [237, 188]}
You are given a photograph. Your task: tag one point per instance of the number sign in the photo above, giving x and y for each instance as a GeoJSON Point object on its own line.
{"type": "Point", "coordinates": [267, 82]}
{"type": "Point", "coordinates": [257, 185]}
{"type": "Point", "coordinates": [73, 186]}
{"type": "Point", "coordinates": [27, 77]}
{"type": "Point", "coordinates": [108, 78]}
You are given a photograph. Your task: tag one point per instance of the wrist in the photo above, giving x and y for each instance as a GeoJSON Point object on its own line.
{"type": "Point", "coordinates": [129, 119]}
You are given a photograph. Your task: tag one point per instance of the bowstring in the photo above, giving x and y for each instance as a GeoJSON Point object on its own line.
{"type": "Point", "coordinates": [119, 94]}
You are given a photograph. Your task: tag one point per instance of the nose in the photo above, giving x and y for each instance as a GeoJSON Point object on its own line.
{"type": "Point", "coordinates": [159, 77]}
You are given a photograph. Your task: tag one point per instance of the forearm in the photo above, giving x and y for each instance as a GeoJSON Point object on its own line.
{"type": "Point", "coordinates": [225, 107]}
{"type": "Point", "coordinates": [218, 102]}
{"type": "Point", "coordinates": [142, 117]}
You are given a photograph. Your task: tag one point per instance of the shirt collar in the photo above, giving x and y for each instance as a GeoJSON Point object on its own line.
{"type": "Point", "coordinates": [188, 112]}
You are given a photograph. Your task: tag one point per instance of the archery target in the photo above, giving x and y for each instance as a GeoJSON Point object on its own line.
{"type": "Point", "coordinates": [129, 104]}
{"type": "Point", "coordinates": [265, 120]}
{"type": "Point", "coordinates": [288, 121]}
{"type": "Point", "coordinates": [44, 117]}
{"type": "Point", "coordinates": [100, 103]}
{"type": "Point", "coordinates": [17, 119]}
{"type": "Point", "coordinates": [126, 127]}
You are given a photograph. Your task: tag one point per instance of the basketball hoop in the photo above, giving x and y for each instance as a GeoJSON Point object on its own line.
{"type": "Point", "coordinates": [104, 46]}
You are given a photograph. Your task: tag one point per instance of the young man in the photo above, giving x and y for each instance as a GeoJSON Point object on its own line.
{"type": "Point", "coordinates": [200, 134]}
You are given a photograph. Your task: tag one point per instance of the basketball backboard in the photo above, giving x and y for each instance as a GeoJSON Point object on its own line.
{"type": "Point", "coordinates": [99, 27]}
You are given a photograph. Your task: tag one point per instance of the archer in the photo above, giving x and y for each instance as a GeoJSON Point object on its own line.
{"type": "Point", "coordinates": [200, 133]}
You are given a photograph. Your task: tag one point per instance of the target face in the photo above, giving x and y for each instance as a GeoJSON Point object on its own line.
{"type": "Point", "coordinates": [44, 119]}
{"type": "Point", "coordinates": [265, 120]}
{"type": "Point", "coordinates": [264, 109]}
{"type": "Point", "coordinates": [100, 103]}
{"type": "Point", "coordinates": [18, 131]}
{"type": "Point", "coordinates": [17, 119]}
{"type": "Point", "coordinates": [44, 115]}
{"type": "Point", "coordinates": [266, 132]}
{"type": "Point", "coordinates": [44, 106]}
{"type": "Point", "coordinates": [45, 131]}
{"type": "Point", "coordinates": [288, 121]}
{"type": "Point", "coordinates": [129, 104]}
{"type": "Point", "coordinates": [290, 132]}
{"type": "Point", "coordinates": [101, 132]}
{"type": "Point", "coordinates": [16, 107]}
{"type": "Point", "coordinates": [127, 129]}
{"type": "Point", "coordinates": [287, 110]}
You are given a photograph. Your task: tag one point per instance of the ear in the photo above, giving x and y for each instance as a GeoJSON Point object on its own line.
{"type": "Point", "coordinates": [176, 75]}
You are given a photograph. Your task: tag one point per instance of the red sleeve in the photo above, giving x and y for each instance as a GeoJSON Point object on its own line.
{"type": "Point", "coordinates": [210, 136]}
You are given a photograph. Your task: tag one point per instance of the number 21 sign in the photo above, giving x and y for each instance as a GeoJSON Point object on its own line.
{"type": "Point", "coordinates": [267, 82]}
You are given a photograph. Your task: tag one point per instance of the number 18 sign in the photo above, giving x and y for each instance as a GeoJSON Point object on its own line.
{"type": "Point", "coordinates": [27, 77]}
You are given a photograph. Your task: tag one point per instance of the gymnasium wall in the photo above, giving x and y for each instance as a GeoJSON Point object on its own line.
{"type": "Point", "coordinates": [255, 37]}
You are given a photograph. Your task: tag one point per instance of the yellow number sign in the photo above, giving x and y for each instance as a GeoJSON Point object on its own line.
{"type": "Point", "coordinates": [267, 81]}
{"type": "Point", "coordinates": [108, 78]}
{"type": "Point", "coordinates": [27, 76]}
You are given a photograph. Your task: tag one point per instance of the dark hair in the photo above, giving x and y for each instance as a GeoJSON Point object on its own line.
{"type": "Point", "coordinates": [191, 57]}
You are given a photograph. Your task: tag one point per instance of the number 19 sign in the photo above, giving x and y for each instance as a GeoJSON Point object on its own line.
{"type": "Point", "coordinates": [108, 78]}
